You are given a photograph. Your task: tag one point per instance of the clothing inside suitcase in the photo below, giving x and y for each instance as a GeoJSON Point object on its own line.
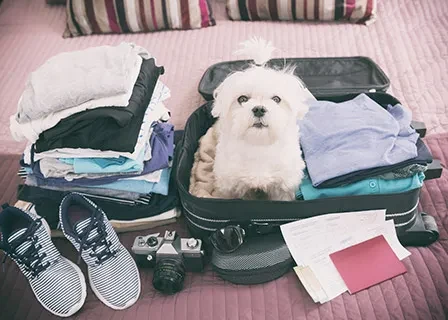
{"type": "Point", "coordinates": [333, 79]}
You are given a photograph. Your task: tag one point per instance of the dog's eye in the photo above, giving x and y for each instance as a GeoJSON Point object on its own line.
{"type": "Point", "coordinates": [276, 99]}
{"type": "Point", "coordinates": [242, 99]}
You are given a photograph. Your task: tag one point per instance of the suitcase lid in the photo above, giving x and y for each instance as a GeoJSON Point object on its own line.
{"type": "Point", "coordinates": [324, 77]}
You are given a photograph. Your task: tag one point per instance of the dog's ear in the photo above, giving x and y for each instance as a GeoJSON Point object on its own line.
{"type": "Point", "coordinates": [220, 104]}
{"type": "Point", "coordinates": [302, 109]}
{"type": "Point", "coordinates": [301, 97]}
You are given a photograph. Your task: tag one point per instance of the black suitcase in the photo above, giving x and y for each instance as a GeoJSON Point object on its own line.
{"type": "Point", "coordinates": [335, 79]}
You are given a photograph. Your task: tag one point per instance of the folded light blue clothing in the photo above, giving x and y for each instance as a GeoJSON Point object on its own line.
{"type": "Point", "coordinates": [106, 165]}
{"type": "Point", "coordinates": [373, 185]}
{"type": "Point", "coordinates": [140, 186]}
{"type": "Point", "coordinates": [359, 134]}
{"type": "Point", "coordinates": [161, 145]}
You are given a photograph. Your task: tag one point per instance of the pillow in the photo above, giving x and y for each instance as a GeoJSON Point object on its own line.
{"type": "Point", "coordinates": [85, 17]}
{"type": "Point", "coordinates": [359, 11]}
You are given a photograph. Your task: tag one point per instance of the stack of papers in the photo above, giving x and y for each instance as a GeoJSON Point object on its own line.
{"type": "Point", "coordinates": [311, 242]}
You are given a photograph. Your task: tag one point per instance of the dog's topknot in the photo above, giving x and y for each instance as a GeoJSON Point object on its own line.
{"type": "Point", "coordinates": [257, 49]}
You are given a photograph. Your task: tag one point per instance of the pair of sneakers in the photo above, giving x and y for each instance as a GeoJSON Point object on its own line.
{"type": "Point", "coordinates": [58, 284]}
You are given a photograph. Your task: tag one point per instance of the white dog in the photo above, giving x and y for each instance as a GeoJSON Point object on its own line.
{"type": "Point", "coordinates": [258, 155]}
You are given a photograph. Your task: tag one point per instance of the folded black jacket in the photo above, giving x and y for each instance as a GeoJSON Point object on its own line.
{"type": "Point", "coordinates": [106, 128]}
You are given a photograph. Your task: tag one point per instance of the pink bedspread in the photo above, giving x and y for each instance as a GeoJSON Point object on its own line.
{"type": "Point", "coordinates": [409, 41]}
{"type": "Point", "coordinates": [420, 294]}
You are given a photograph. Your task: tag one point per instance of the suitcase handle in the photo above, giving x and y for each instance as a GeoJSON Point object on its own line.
{"type": "Point", "coordinates": [434, 170]}
{"type": "Point", "coordinates": [420, 127]}
{"type": "Point", "coordinates": [423, 233]}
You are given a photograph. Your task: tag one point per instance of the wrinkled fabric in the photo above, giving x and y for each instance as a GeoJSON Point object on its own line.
{"type": "Point", "coordinates": [105, 133]}
{"type": "Point", "coordinates": [355, 135]}
{"type": "Point", "coordinates": [373, 185]}
{"type": "Point", "coordinates": [71, 78]}
{"type": "Point", "coordinates": [423, 158]}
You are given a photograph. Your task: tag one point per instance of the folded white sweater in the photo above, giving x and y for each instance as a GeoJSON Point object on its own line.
{"type": "Point", "coordinates": [70, 79]}
{"type": "Point", "coordinates": [30, 130]}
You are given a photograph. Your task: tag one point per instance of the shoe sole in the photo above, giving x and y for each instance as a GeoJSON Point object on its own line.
{"type": "Point", "coordinates": [100, 297]}
{"type": "Point", "coordinates": [77, 306]}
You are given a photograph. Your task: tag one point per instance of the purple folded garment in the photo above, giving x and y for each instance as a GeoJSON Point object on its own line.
{"type": "Point", "coordinates": [162, 150]}
{"type": "Point", "coordinates": [163, 138]}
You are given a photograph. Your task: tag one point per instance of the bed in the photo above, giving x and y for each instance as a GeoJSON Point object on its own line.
{"type": "Point", "coordinates": [410, 43]}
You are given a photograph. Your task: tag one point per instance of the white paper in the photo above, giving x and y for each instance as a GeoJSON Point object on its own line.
{"type": "Point", "coordinates": [307, 237]}
{"type": "Point", "coordinates": [311, 242]}
{"type": "Point", "coordinates": [311, 284]}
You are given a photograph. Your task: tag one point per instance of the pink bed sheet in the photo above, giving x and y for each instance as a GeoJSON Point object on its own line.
{"type": "Point", "coordinates": [409, 41]}
{"type": "Point", "coordinates": [419, 294]}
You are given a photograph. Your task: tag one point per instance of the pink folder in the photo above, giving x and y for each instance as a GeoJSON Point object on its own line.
{"type": "Point", "coordinates": [367, 263]}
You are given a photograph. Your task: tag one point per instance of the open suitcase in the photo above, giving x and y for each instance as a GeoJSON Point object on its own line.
{"type": "Point", "coordinates": [334, 79]}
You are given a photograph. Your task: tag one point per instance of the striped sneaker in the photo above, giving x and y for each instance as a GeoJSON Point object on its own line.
{"type": "Point", "coordinates": [57, 283]}
{"type": "Point", "coordinates": [112, 271]}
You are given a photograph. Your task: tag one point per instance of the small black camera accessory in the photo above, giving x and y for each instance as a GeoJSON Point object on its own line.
{"type": "Point", "coordinates": [228, 239]}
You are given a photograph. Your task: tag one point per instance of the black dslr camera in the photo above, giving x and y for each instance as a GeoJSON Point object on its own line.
{"type": "Point", "coordinates": [171, 257]}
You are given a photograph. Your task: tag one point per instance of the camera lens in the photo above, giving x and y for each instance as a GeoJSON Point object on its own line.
{"type": "Point", "coordinates": [169, 275]}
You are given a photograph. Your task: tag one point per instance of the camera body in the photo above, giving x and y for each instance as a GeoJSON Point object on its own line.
{"type": "Point", "coordinates": [171, 257]}
{"type": "Point", "coordinates": [150, 250]}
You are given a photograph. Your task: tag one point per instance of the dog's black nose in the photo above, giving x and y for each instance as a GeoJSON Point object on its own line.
{"type": "Point", "coordinates": [258, 111]}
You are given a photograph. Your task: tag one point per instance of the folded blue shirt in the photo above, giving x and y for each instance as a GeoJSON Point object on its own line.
{"type": "Point", "coordinates": [106, 165]}
{"type": "Point", "coordinates": [372, 185]}
{"type": "Point", "coordinates": [140, 186]}
{"type": "Point", "coordinates": [359, 134]}
{"type": "Point", "coordinates": [162, 149]}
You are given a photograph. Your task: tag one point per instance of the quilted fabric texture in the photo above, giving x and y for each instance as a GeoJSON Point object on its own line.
{"type": "Point", "coordinates": [421, 293]}
{"type": "Point", "coordinates": [408, 41]}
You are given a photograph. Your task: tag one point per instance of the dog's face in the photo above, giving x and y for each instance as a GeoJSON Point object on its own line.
{"type": "Point", "coordinates": [258, 104]}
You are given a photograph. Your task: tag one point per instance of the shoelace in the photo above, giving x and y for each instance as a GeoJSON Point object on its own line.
{"type": "Point", "coordinates": [30, 258]}
{"type": "Point", "coordinates": [99, 240]}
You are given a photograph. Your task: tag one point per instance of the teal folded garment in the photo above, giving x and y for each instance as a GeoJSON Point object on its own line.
{"type": "Point", "coordinates": [106, 165]}
{"type": "Point", "coordinates": [372, 185]}
{"type": "Point", "coordinates": [141, 186]}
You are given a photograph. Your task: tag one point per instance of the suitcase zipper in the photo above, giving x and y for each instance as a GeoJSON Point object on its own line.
{"type": "Point", "coordinates": [224, 221]}
{"type": "Point", "coordinates": [403, 213]}
{"type": "Point", "coordinates": [398, 225]}
{"type": "Point", "coordinates": [287, 220]}
{"type": "Point", "coordinates": [198, 226]}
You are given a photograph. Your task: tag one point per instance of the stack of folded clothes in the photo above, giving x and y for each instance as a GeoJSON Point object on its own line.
{"type": "Point", "coordinates": [360, 147]}
{"type": "Point", "coordinates": [96, 124]}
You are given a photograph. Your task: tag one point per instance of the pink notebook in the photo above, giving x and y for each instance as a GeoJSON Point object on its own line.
{"type": "Point", "coordinates": [367, 263]}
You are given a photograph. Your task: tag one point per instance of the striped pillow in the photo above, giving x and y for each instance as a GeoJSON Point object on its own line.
{"type": "Point", "coordinates": [359, 11]}
{"type": "Point", "coordinates": [55, 2]}
{"type": "Point", "coordinates": [85, 17]}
